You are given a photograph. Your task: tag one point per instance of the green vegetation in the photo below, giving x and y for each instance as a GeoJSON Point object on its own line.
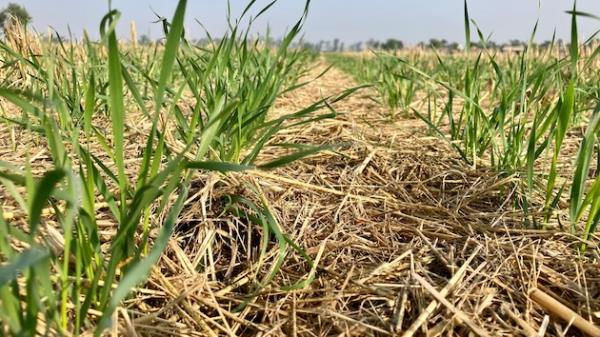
{"type": "Point", "coordinates": [126, 132]}
{"type": "Point", "coordinates": [395, 89]}
{"type": "Point", "coordinates": [205, 108]}
{"type": "Point", "coordinates": [510, 111]}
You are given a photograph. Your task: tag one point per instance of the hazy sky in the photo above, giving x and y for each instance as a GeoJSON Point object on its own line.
{"type": "Point", "coordinates": [350, 20]}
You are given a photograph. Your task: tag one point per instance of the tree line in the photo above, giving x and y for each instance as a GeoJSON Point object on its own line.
{"type": "Point", "coordinates": [18, 12]}
{"type": "Point", "coordinates": [439, 44]}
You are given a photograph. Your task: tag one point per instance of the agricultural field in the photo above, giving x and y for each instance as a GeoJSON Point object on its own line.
{"type": "Point", "coordinates": [242, 187]}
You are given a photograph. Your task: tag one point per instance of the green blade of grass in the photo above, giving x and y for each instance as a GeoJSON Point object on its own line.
{"type": "Point", "coordinates": [218, 166]}
{"type": "Point", "coordinates": [90, 102]}
{"type": "Point", "coordinates": [284, 160]}
{"type": "Point", "coordinates": [138, 273]}
{"type": "Point", "coordinates": [22, 262]}
{"type": "Point", "coordinates": [574, 48]}
{"type": "Point", "coordinates": [116, 102]}
{"type": "Point", "coordinates": [43, 191]}
{"type": "Point", "coordinates": [170, 53]}
{"type": "Point", "coordinates": [467, 27]}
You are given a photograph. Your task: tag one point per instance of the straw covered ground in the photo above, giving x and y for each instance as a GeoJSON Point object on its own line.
{"type": "Point", "coordinates": [406, 240]}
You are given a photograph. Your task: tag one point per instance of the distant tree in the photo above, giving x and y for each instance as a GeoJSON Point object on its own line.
{"type": "Point", "coordinates": [308, 45]}
{"type": "Point", "coordinates": [144, 40]}
{"type": "Point", "coordinates": [336, 44]}
{"type": "Point", "coordinates": [492, 44]}
{"type": "Point", "coordinates": [320, 46]}
{"type": "Point", "coordinates": [392, 44]}
{"type": "Point", "coordinates": [477, 45]}
{"type": "Point", "coordinates": [454, 46]}
{"type": "Point", "coordinates": [516, 43]}
{"type": "Point", "coordinates": [358, 46]}
{"type": "Point", "coordinates": [438, 44]}
{"type": "Point", "coordinates": [373, 44]}
{"type": "Point", "coordinates": [15, 11]}
{"type": "Point", "coordinates": [546, 44]}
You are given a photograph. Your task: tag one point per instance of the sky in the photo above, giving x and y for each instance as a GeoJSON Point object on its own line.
{"type": "Point", "coordinates": [351, 21]}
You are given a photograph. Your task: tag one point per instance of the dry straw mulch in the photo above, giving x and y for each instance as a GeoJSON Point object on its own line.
{"type": "Point", "coordinates": [407, 240]}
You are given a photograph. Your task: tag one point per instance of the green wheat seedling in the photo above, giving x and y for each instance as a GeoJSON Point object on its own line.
{"type": "Point", "coordinates": [214, 99]}
{"type": "Point", "coordinates": [531, 102]}
{"type": "Point", "coordinates": [511, 112]}
{"type": "Point", "coordinates": [390, 79]}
